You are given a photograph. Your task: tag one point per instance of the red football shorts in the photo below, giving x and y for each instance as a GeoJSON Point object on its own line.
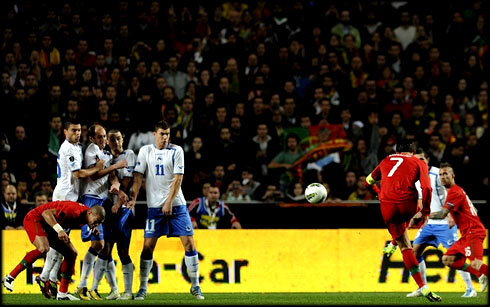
{"type": "Point", "coordinates": [34, 228]}
{"type": "Point", "coordinates": [470, 245]}
{"type": "Point", "coordinates": [397, 215]}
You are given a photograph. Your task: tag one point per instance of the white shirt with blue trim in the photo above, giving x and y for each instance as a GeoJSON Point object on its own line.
{"type": "Point", "coordinates": [160, 168]}
{"type": "Point", "coordinates": [99, 187]}
{"type": "Point", "coordinates": [69, 160]}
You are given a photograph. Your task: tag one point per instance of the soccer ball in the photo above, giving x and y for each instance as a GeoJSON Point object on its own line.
{"type": "Point", "coordinates": [316, 193]}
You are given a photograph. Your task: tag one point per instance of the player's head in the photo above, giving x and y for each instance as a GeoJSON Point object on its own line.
{"type": "Point", "coordinates": [162, 134]}
{"type": "Point", "coordinates": [404, 146]}
{"type": "Point", "coordinates": [95, 216]}
{"type": "Point", "coordinates": [446, 175]}
{"type": "Point", "coordinates": [97, 135]}
{"type": "Point", "coordinates": [116, 141]}
{"type": "Point", "coordinates": [72, 131]}
{"type": "Point", "coordinates": [422, 155]}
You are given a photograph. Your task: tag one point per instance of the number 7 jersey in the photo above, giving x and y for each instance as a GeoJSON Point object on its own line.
{"type": "Point", "coordinates": [398, 173]}
{"type": "Point", "coordinates": [160, 168]}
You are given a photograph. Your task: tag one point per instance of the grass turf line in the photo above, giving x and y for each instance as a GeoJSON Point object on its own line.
{"type": "Point", "coordinates": [261, 299]}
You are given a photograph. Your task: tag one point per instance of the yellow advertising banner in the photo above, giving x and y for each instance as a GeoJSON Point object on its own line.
{"type": "Point", "coordinates": [266, 260]}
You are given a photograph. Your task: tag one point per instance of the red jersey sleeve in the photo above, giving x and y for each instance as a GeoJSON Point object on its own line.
{"type": "Point", "coordinates": [453, 200]}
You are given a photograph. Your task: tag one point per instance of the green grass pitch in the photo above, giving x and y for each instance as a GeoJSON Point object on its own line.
{"type": "Point", "coordinates": [261, 299]}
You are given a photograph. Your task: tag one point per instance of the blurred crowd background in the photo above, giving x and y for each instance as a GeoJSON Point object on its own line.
{"type": "Point", "coordinates": [265, 97]}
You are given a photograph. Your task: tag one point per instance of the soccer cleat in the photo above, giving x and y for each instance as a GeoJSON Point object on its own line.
{"type": "Point", "coordinates": [8, 283]}
{"type": "Point", "coordinates": [140, 295]}
{"type": "Point", "coordinates": [53, 288]}
{"type": "Point", "coordinates": [431, 296]}
{"type": "Point", "coordinates": [469, 293]}
{"type": "Point", "coordinates": [94, 294]}
{"type": "Point", "coordinates": [66, 297]}
{"type": "Point", "coordinates": [114, 295]}
{"type": "Point", "coordinates": [415, 293]}
{"type": "Point", "coordinates": [126, 296]}
{"type": "Point", "coordinates": [44, 287]}
{"type": "Point", "coordinates": [389, 249]}
{"type": "Point", "coordinates": [196, 291]}
{"type": "Point", "coordinates": [83, 293]}
{"type": "Point", "coordinates": [483, 282]}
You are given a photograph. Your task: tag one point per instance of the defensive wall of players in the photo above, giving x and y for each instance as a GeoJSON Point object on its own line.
{"type": "Point", "coordinates": [265, 260]}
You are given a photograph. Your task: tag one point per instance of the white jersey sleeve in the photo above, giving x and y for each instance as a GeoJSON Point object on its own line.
{"type": "Point", "coordinates": [69, 160]}
{"type": "Point", "coordinates": [130, 157]}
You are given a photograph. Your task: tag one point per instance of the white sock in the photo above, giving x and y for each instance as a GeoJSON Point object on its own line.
{"type": "Point", "coordinates": [145, 269]}
{"type": "Point", "coordinates": [423, 268]}
{"type": "Point", "coordinates": [110, 274]}
{"type": "Point", "coordinates": [466, 277]}
{"type": "Point", "coordinates": [87, 265]}
{"type": "Point", "coordinates": [99, 271]}
{"type": "Point", "coordinates": [128, 277]}
{"type": "Point", "coordinates": [53, 275]}
{"type": "Point", "coordinates": [51, 258]}
{"type": "Point", "coordinates": [192, 264]}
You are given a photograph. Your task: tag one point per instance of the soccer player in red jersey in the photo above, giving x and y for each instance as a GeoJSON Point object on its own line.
{"type": "Point", "coordinates": [473, 233]}
{"type": "Point", "coordinates": [399, 202]}
{"type": "Point", "coordinates": [45, 227]}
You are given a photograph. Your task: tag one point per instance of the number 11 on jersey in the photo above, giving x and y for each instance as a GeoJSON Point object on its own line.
{"type": "Point", "coordinates": [160, 170]}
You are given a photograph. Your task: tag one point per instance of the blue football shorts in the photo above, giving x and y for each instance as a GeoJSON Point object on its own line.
{"type": "Point", "coordinates": [435, 234]}
{"type": "Point", "coordinates": [176, 225]}
{"type": "Point", "coordinates": [104, 228]}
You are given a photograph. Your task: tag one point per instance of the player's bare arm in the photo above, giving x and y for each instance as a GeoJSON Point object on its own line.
{"type": "Point", "coordinates": [439, 214]}
{"type": "Point", "coordinates": [88, 172]}
{"type": "Point", "coordinates": [115, 184]}
{"type": "Point", "coordinates": [167, 206]}
{"type": "Point", "coordinates": [138, 180]}
{"type": "Point", "coordinates": [104, 171]}
{"type": "Point", "coordinates": [49, 217]}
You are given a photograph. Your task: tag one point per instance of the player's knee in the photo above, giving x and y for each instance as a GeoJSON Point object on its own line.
{"type": "Point", "coordinates": [43, 249]}
{"type": "Point", "coordinates": [98, 245]}
{"type": "Point", "coordinates": [447, 261]}
{"type": "Point", "coordinates": [475, 264]}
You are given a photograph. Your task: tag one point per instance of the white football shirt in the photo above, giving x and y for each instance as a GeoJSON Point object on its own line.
{"type": "Point", "coordinates": [130, 157]}
{"type": "Point", "coordinates": [69, 160]}
{"type": "Point", "coordinates": [439, 194]}
{"type": "Point", "coordinates": [160, 168]}
{"type": "Point", "coordinates": [99, 187]}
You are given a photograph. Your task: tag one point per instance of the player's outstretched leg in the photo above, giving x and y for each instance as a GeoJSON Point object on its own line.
{"type": "Point", "coordinates": [192, 263]}
{"type": "Point", "coordinates": [390, 249]}
{"type": "Point", "coordinates": [44, 286]}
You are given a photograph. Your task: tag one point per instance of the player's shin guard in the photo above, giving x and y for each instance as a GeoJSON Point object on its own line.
{"type": "Point", "coordinates": [53, 275]}
{"type": "Point", "coordinates": [67, 269]}
{"type": "Point", "coordinates": [423, 269]}
{"type": "Point", "coordinates": [192, 264]}
{"type": "Point", "coordinates": [29, 259]}
{"type": "Point", "coordinates": [110, 274]}
{"type": "Point", "coordinates": [466, 277]}
{"type": "Point", "coordinates": [128, 269]}
{"type": "Point", "coordinates": [51, 258]}
{"type": "Point", "coordinates": [99, 271]}
{"type": "Point", "coordinates": [145, 268]}
{"type": "Point", "coordinates": [87, 265]}
{"type": "Point", "coordinates": [412, 265]}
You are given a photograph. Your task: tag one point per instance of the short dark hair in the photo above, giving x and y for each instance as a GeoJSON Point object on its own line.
{"type": "Point", "coordinates": [405, 146]}
{"type": "Point", "coordinates": [445, 164]}
{"type": "Point", "coordinates": [161, 125]}
{"type": "Point", "coordinates": [69, 123]}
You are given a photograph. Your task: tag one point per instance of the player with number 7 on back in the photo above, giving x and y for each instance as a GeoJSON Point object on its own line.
{"type": "Point", "coordinates": [398, 199]}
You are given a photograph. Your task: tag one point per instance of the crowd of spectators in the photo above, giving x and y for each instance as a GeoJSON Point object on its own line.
{"type": "Point", "coordinates": [235, 78]}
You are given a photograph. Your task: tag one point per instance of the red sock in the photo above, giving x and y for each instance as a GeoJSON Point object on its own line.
{"type": "Point", "coordinates": [461, 264]}
{"type": "Point", "coordinates": [412, 265]}
{"type": "Point", "coordinates": [67, 269]}
{"type": "Point", "coordinates": [28, 260]}
{"type": "Point", "coordinates": [483, 269]}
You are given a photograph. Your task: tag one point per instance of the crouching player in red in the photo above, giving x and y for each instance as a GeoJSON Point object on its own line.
{"type": "Point", "coordinates": [473, 233]}
{"type": "Point", "coordinates": [45, 227]}
{"type": "Point", "coordinates": [399, 202]}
